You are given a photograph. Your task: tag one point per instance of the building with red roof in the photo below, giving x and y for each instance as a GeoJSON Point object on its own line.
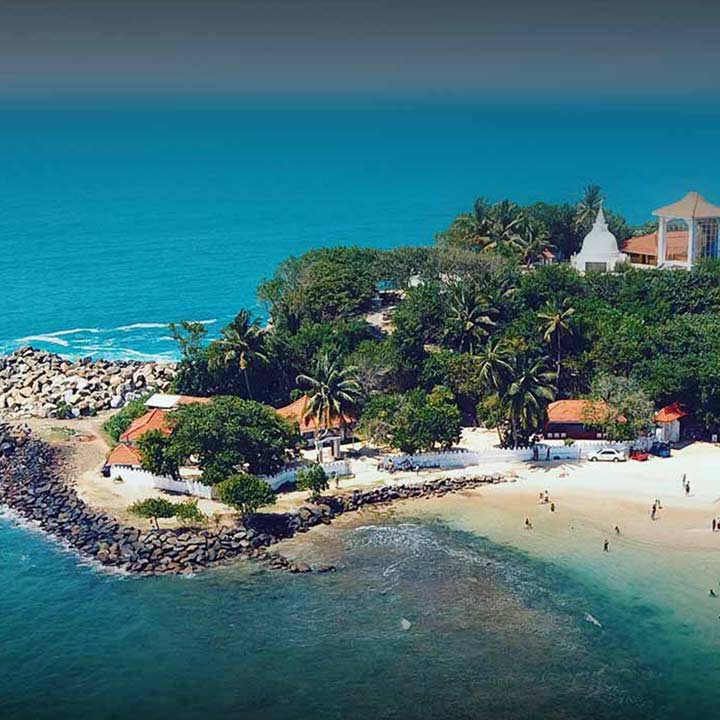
{"type": "Point", "coordinates": [297, 412]}
{"type": "Point", "coordinates": [152, 420]}
{"type": "Point", "coordinates": [668, 421]}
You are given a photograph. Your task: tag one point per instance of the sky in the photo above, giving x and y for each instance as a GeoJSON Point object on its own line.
{"type": "Point", "coordinates": [349, 46]}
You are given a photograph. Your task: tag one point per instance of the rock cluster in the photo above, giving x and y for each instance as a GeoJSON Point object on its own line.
{"type": "Point", "coordinates": [43, 384]}
{"type": "Point", "coordinates": [33, 485]}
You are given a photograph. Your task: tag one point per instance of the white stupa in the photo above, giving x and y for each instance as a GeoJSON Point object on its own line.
{"type": "Point", "coordinates": [599, 251]}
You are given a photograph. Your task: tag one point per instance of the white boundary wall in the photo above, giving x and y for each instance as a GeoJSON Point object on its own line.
{"type": "Point", "coordinates": [339, 468]}
{"type": "Point", "coordinates": [465, 458]}
{"type": "Point", "coordinates": [142, 478]}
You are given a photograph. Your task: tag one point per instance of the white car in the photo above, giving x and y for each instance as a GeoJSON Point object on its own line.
{"type": "Point", "coordinates": [607, 454]}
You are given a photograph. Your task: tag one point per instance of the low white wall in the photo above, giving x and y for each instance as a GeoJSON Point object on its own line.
{"type": "Point", "coordinates": [464, 458]}
{"type": "Point", "coordinates": [143, 478]}
{"type": "Point", "coordinates": [339, 468]}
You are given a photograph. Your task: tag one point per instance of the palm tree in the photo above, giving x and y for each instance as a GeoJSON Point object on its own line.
{"type": "Point", "coordinates": [470, 319]}
{"type": "Point", "coordinates": [535, 244]}
{"type": "Point", "coordinates": [241, 343]}
{"type": "Point", "coordinates": [494, 364]}
{"type": "Point", "coordinates": [531, 388]}
{"type": "Point", "coordinates": [332, 389]}
{"type": "Point", "coordinates": [588, 207]}
{"type": "Point", "coordinates": [556, 322]}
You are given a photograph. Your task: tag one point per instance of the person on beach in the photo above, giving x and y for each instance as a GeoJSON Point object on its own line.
{"type": "Point", "coordinates": [687, 489]}
{"type": "Point", "coordinates": [653, 511]}
{"type": "Point", "coordinates": [617, 530]}
{"type": "Point", "coordinates": [712, 593]}
{"type": "Point", "coordinates": [547, 496]}
{"type": "Point", "coordinates": [659, 504]}
{"type": "Point", "coordinates": [540, 499]}
{"type": "Point", "coordinates": [714, 524]}
{"type": "Point", "coordinates": [528, 524]}
{"type": "Point", "coordinates": [684, 479]}
{"type": "Point", "coordinates": [606, 545]}
{"type": "Point", "coordinates": [552, 507]}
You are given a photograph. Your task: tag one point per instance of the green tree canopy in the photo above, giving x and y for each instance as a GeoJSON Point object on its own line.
{"type": "Point", "coordinates": [246, 493]}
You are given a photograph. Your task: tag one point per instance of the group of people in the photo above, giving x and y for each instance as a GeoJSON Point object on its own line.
{"type": "Point", "coordinates": [544, 499]}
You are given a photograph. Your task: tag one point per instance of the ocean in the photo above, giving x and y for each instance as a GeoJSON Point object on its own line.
{"type": "Point", "coordinates": [117, 217]}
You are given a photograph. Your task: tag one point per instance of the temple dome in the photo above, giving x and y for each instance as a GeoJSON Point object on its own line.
{"type": "Point", "coordinates": [599, 249]}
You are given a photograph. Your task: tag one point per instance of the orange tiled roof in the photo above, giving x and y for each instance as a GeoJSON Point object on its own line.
{"type": "Point", "coordinates": [670, 413]}
{"type": "Point", "coordinates": [295, 412]}
{"type": "Point", "coordinates": [152, 420]}
{"type": "Point", "coordinates": [574, 411]}
{"type": "Point", "coordinates": [675, 240]}
{"type": "Point", "coordinates": [124, 455]}
{"type": "Point", "coordinates": [567, 411]}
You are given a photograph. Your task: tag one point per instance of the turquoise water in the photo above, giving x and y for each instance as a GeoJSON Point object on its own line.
{"type": "Point", "coordinates": [492, 634]}
{"type": "Point", "coordinates": [118, 217]}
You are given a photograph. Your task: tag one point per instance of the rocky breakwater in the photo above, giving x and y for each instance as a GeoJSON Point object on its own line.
{"type": "Point", "coordinates": [43, 384]}
{"type": "Point", "coordinates": [33, 484]}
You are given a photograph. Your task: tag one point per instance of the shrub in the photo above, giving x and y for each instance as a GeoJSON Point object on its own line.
{"type": "Point", "coordinates": [246, 493]}
{"type": "Point", "coordinates": [314, 479]}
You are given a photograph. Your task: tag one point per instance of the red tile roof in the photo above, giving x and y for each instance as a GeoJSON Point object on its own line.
{"type": "Point", "coordinates": [670, 413]}
{"type": "Point", "coordinates": [124, 455]}
{"type": "Point", "coordinates": [152, 420]}
{"type": "Point", "coordinates": [576, 411]}
{"type": "Point", "coordinates": [295, 412]}
{"type": "Point", "coordinates": [675, 240]}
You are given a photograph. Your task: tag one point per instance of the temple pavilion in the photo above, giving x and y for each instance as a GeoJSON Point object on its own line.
{"type": "Point", "coordinates": [688, 231]}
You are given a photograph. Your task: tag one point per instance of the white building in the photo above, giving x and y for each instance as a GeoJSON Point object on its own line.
{"type": "Point", "coordinates": [599, 251]}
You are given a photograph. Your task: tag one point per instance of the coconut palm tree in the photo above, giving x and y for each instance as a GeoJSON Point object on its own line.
{"type": "Point", "coordinates": [332, 390]}
{"type": "Point", "coordinates": [494, 364]}
{"type": "Point", "coordinates": [555, 320]}
{"type": "Point", "coordinates": [470, 319]}
{"type": "Point", "coordinates": [588, 207]}
{"type": "Point", "coordinates": [241, 343]}
{"type": "Point", "coordinates": [531, 388]}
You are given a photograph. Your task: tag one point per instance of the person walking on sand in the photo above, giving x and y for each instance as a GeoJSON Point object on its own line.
{"type": "Point", "coordinates": [684, 479]}
{"type": "Point", "coordinates": [714, 524]}
{"type": "Point", "coordinates": [617, 530]}
{"type": "Point", "coordinates": [552, 507]}
{"type": "Point", "coordinates": [687, 489]}
{"type": "Point", "coordinates": [606, 546]}
{"type": "Point", "coordinates": [528, 524]}
{"type": "Point", "coordinates": [547, 496]}
{"type": "Point", "coordinates": [653, 510]}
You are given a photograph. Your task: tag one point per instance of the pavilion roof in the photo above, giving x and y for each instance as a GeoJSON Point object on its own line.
{"type": "Point", "coordinates": [296, 412]}
{"type": "Point", "coordinates": [693, 205]}
{"type": "Point", "coordinates": [670, 413]}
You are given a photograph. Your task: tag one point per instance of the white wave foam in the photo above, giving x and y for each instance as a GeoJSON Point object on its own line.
{"type": "Point", "coordinates": [74, 331]}
{"type": "Point", "coordinates": [52, 339]}
{"type": "Point", "coordinates": [212, 321]}
{"type": "Point", "coordinates": [141, 326]}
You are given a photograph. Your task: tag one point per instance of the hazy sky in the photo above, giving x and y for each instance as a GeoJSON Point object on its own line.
{"type": "Point", "coordinates": [360, 46]}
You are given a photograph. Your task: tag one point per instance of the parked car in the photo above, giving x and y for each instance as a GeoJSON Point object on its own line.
{"type": "Point", "coordinates": [661, 449]}
{"type": "Point", "coordinates": [639, 455]}
{"type": "Point", "coordinates": [607, 454]}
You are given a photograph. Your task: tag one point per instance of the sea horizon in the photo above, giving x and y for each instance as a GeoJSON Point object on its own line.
{"type": "Point", "coordinates": [125, 214]}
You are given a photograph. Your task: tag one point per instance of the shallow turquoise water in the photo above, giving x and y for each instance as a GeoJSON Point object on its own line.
{"type": "Point", "coordinates": [493, 634]}
{"type": "Point", "coordinates": [118, 217]}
